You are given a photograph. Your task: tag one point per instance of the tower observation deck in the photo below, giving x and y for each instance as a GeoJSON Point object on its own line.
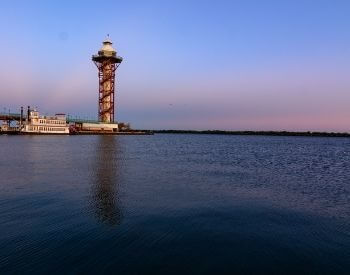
{"type": "Point", "coordinates": [107, 63]}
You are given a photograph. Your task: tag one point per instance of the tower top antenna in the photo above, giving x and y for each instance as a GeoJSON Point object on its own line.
{"type": "Point", "coordinates": [107, 40]}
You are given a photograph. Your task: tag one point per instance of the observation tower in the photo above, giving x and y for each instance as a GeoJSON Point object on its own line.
{"type": "Point", "coordinates": [107, 63]}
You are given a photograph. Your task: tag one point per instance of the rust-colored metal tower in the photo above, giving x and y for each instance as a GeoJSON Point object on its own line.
{"type": "Point", "coordinates": [107, 63]}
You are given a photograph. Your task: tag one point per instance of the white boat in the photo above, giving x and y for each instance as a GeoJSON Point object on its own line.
{"type": "Point", "coordinates": [37, 124]}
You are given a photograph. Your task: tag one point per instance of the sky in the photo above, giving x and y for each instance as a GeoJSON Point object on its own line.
{"type": "Point", "coordinates": [227, 65]}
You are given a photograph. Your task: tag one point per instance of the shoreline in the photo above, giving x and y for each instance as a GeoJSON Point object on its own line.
{"type": "Point", "coordinates": [254, 133]}
{"type": "Point", "coordinates": [97, 133]}
{"type": "Point", "coordinates": [195, 132]}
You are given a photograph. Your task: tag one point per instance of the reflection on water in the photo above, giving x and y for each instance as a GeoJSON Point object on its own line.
{"type": "Point", "coordinates": [106, 180]}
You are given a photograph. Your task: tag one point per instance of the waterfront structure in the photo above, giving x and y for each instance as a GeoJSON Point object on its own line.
{"type": "Point", "coordinates": [5, 128]}
{"type": "Point", "coordinates": [37, 124]}
{"type": "Point", "coordinates": [93, 127]}
{"type": "Point", "coordinates": [107, 63]}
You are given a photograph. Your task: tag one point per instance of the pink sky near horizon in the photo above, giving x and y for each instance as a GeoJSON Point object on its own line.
{"type": "Point", "coordinates": [261, 99]}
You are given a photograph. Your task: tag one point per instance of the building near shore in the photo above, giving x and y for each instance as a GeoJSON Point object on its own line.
{"type": "Point", "coordinates": [94, 127]}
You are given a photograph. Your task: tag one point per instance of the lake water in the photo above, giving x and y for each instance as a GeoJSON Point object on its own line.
{"type": "Point", "coordinates": [172, 204]}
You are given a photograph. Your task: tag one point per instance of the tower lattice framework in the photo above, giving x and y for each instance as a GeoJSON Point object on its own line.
{"type": "Point", "coordinates": [107, 63]}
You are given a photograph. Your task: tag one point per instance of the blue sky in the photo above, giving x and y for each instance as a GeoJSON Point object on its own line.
{"type": "Point", "coordinates": [237, 65]}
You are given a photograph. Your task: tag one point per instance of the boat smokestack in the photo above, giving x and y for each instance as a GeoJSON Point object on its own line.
{"type": "Point", "coordinates": [21, 118]}
{"type": "Point", "coordinates": [28, 113]}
